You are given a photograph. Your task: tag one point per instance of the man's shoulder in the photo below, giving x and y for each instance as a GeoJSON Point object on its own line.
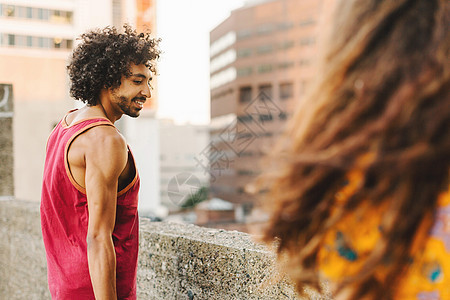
{"type": "Point", "coordinates": [104, 134]}
{"type": "Point", "coordinates": [103, 137]}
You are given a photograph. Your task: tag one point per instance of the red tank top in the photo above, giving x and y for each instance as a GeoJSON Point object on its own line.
{"type": "Point", "coordinates": [64, 221]}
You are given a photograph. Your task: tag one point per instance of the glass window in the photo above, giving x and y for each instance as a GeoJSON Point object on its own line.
{"type": "Point", "coordinates": [241, 72]}
{"type": "Point", "coordinates": [286, 91]}
{"type": "Point", "coordinates": [21, 11]}
{"type": "Point", "coordinates": [264, 68]}
{"type": "Point", "coordinates": [29, 12]}
{"type": "Point", "coordinates": [244, 52]}
{"type": "Point", "coordinates": [69, 16]}
{"type": "Point", "coordinates": [57, 43]}
{"type": "Point", "coordinates": [11, 39]}
{"type": "Point", "coordinates": [307, 41]}
{"type": "Point", "coordinates": [286, 65]}
{"type": "Point", "coordinates": [265, 49]}
{"type": "Point", "coordinates": [245, 94]}
{"type": "Point", "coordinates": [10, 11]}
{"type": "Point", "coordinates": [287, 44]}
{"type": "Point", "coordinates": [245, 118]}
{"type": "Point", "coordinates": [43, 14]}
{"type": "Point", "coordinates": [265, 118]}
{"type": "Point", "coordinates": [285, 26]}
{"type": "Point", "coordinates": [265, 89]}
{"type": "Point", "coordinates": [21, 40]}
{"type": "Point", "coordinates": [243, 34]}
{"type": "Point", "coordinates": [265, 29]}
{"type": "Point", "coordinates": [29, 41]}
{"type": "Point", "coordinates": [69, 44]}
{"type": "Point", "coordinates": [43, 42]}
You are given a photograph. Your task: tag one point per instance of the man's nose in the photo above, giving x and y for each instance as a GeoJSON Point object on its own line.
{"type": "Point", "coordinates": [147, 92]}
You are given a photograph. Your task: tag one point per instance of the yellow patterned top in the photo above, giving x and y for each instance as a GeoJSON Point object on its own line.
{"type": "Point", "coordinates": [349, 243]}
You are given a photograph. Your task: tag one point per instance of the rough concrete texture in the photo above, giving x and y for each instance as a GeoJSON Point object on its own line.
{"type": "Point", "coordinates": [23, 272]}
{"type": "Point", "coordinates": [6, 158]}
{"type": "Point", "coordinates": [175, 261]}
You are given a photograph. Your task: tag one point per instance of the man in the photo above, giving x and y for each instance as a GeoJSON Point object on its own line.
{"type": "Point", "coordinates": [90, 186]}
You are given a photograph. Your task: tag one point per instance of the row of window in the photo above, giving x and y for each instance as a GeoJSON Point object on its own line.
{"type": "Point", "coordinates": [266, 68]}
{"type": "Point", "coordinates": [43, 14]}
{"type": "Point", "coordinates": [261, 118]}
{"type": "Point", "coordinates": [269, 48]}
{"type": "Point", "coordinates": [15, 40]}
{"type": "Point", "coordinates": [286, 91]}
{"type": "Point", "coordinates": [269, 28]}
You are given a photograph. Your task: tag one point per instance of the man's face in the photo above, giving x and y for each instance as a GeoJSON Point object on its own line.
{"type": "Point", "coordinates": [130, 96]}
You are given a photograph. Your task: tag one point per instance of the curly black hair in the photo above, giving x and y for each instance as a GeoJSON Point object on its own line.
{"type": "Point", "coordinates": [104, 56]}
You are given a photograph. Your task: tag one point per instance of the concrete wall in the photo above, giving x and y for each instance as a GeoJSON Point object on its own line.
{"type": "Point", "coordinates": [6, 142]}
{"type": "Point", "coordinates": [175, 261]}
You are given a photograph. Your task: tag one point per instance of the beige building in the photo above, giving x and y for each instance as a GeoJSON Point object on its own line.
{"type": "Point", "coordinates": [181, 171]}
{"type": "Point", "coordinates": [261, 59]}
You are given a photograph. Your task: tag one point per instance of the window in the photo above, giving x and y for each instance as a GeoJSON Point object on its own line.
{"type": "Point", "coordinates": [304, 62]}
{"type": "Point", "coordinates": [10, 11]}
{"type": "Point", "coordinates": [29, 12]}
{"type": "Point", "coordinates": [11, 39]}
{"type": "Point", "coordinates": [307, 41]}
{"type": "Point", "coordinates": [29, 41]}
{"type": "Point", "coordinates": [286, 91]}
{"type": "Point", "coordinates": [43, 42]}
{"type": "Point", "coordinates": [245, 119]}
{"type": "Point", "coordinates": [286, 65]}
{"type": "Point", "coordinates": [283, 116]}
{"type": "Point", "coordinates": [243, 34]}
{"type": "Point", "coordinates": [285, 26]}
{"type": "Point", "coordinates": [57, 43]}
{"type": "Point", "coordinates": [264, 49]}
{"type": "Point", "coordinates": [245, 94]}
{"type": "Point", "coordinates": [266, 90]}
{"type": "Point", "coordinates": [265, 29]}
{"type": "Point", "coordinates": [241, 72]}
{"type": "Point", "coordinates": [42, 14]}
{"type": "Point", "coordinates": [287, 44]}
{"type": "Point", "coordinates": [264, 68]}
{"type": "Point", "coordinates": [264, 118]}
{"type": "Point", "coordinates": [244, 52]}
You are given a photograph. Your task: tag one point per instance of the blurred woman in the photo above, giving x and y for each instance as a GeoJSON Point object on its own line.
{"type": "Point", "coordinates": [359, 194]}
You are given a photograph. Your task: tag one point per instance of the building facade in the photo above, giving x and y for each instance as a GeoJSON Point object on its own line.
{"type": "Point", "coordinates": [181, 174]}
{"type": "Point", "coordinates": [261, 59]}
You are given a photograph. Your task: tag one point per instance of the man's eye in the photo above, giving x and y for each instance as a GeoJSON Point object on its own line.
{"type": "Point", "coordinates": [137, 82]}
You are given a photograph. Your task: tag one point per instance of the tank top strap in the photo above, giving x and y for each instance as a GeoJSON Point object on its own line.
{"type": "Point", "coordinates": [72, 132]}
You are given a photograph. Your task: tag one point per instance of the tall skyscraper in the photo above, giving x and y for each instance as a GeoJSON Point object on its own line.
{"type": "Point", "coordinates": [261, 60]}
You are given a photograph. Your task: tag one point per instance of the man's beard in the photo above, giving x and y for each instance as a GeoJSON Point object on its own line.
{"type": "Point", "coordinates": [126, 106]}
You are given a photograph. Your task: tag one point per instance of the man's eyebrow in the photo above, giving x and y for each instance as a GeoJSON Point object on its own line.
{"type": "Point", "coordinates": [139, 75]}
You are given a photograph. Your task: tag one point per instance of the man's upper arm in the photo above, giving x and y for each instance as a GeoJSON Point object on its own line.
{"type": "Point", "coordinates": [105, 157]}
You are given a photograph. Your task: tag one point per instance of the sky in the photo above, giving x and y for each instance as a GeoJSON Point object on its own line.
{"type": "Point", "coordinates": [183, 81]}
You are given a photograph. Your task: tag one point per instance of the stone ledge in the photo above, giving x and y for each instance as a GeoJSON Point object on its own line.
{"type": "Point", "coordinates": [175, 261]}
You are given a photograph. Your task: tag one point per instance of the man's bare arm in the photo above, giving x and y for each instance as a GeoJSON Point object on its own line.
{"type": "Point", "coordinates": [106, 157]}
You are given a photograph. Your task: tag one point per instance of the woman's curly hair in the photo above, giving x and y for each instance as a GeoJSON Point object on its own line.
{"type": "Point", "coordinates": [383, 90]}
{"type": "Point", "coordinates": [104, 56]}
